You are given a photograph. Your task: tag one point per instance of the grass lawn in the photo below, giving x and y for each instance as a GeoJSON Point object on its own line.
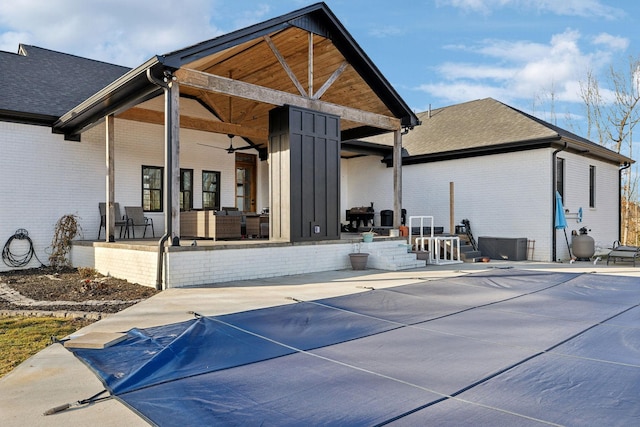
{"type": "Point", "coordinates": [21, 337]}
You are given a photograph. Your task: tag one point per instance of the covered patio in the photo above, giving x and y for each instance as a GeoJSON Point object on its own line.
{"type": "Point", "coordinates": [297, 90]}
{"type": "Point", "coordinates": [206, 262]}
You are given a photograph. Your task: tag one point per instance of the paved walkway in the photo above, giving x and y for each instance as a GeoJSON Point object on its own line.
{"type": "Point", "coordinates": [54, 376]}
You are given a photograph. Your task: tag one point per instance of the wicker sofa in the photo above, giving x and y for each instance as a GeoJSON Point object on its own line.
{"type": "Point", "coordinates": [208, 224]}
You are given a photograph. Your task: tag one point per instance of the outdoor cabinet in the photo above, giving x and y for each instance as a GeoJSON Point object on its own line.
{"type": "Point", "coordinates": [504, 248]}
{"type": "Point", "coordinates": [304, 152]}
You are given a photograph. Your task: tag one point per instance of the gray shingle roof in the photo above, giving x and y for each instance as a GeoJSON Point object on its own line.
{"type": "Point", "coordinates": [482, 127]}
{"type": "Point", "coordinates": [43, 83]}
{"type": "Point", "coordinates": [474, 124]}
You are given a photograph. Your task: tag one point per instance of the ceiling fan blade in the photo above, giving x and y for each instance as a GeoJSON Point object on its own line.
{"type": "Point", "coordinates": [247, 147]}
{"type": "Point", "coordinates": [212, 146]}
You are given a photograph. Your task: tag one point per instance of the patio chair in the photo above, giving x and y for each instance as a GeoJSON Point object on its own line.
{"type": "Point", "coordinates": [135, 218]}
{"type": "Point", "coordinates": [623, 253]}
{"type": "Point", "coordinates": [120, 221]}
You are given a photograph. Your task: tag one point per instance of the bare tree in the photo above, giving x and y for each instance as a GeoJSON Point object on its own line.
{"type": "Point", "coordinates": [611, 119]}
{"type": "Point", "coordinates": [594, 106]}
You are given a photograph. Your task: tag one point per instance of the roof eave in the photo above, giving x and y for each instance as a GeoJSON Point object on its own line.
{"type": "Point", "coordinates": [591, 149]}
{"type": "Point", "coordinates": [27, 118]}
{"type": "Point", "coordinates": [120, 94]}
{"type": "Point", "coordinates": [480, 151]}
{"type": "Point", "coordinates": [577, 147]}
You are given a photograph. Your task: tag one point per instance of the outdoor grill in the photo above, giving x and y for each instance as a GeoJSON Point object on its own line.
{"type": "Point", "coordinates": [360, 215]}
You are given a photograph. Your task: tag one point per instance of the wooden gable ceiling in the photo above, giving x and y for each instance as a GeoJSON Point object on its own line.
{"type": "Point", "coordinates": [305, 59]}
{"type": "Point", "coordinates": [292, 61]}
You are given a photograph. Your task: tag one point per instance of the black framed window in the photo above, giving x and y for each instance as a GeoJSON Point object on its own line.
{"type": "Point", "coordinates": [592, 186]}
{"type": "Point", "coordinates": [186, 189]}
{"type": "Point", "coordinates": [211, 190]}
{"type": "Point", "coordinates": [152, 188]}
{"type": "Point", "coordinates": [560, 176]}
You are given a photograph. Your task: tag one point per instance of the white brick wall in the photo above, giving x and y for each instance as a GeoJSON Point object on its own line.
{"type": "Point", "coordinates": [602, 220]}
{"type": "Point", "coordinates": [45, 177]}
{"type": "Point", "coordinates": [207, 265]}
{"type": "Point", "coordinates": [365, 180]}
{"type": "Point", "coordinates": [503, 195]}
{"type": "Point", "coordinates": [508, 195]}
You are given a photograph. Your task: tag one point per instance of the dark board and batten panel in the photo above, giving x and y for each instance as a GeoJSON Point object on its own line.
{"type": "Point", "coordinates": [306, 146]}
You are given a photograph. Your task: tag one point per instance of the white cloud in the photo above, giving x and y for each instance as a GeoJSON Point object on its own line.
{"type": "Point", "coordinates": [613, 42]}
{"type": "Point", "coordinates": [386, 31]}
{"type": "Point", "coordinates": [248, 17]}
{"type": "Point", "coordinates": [453, 71]}
{"type": "Point", "coordinates": [463, 91]}
{"type": "Point", "coordinates": [583, 8]}
{"type": "Point", "coordinates": [120, 31]}
{"type": "Point", "coordinates": [519, 70]}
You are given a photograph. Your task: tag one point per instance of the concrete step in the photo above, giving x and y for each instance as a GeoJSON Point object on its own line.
{"type": "Point", "coordinates": [393, 256]}
{"type": "Point", "coordinates": [470, 254]}
{"type": "Point", "coordinates": [465, 248]}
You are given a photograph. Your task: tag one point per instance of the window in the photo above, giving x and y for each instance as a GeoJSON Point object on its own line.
{"type": "Point", "coordinates": [592, 186]}
{"type": "Point", "coordinates": [152, 188]}
{"type": "Point", "coordinates": [560, 176]}
{"type": "Point", "coordinates": [186, 189]}
{"type": "Point", "coordinates": [210, 190]}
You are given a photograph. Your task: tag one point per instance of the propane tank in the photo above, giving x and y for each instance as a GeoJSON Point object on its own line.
{"type": "Point", "coordinates": [583, 245]}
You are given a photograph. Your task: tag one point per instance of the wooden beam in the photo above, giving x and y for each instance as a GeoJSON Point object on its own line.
{"type": "Point", "coordinates": [200, 80]}
{"type": "Point", "coordinates": [157, 117]}
{"type": "Point", "coordinates": [208, 99]}
{"type": "Point", "coordinates": [331, 80]}
{"type": "Point", "coordinates": [284, 64]}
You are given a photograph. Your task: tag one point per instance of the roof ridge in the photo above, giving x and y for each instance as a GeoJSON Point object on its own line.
{"type": "Point", "coordinates": [22, 47]}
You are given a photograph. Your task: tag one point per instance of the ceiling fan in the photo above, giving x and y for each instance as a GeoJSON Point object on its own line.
{"type": "Point", "coordinates": [231, 149]}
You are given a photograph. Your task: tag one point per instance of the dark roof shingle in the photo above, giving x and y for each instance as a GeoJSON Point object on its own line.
{"type": "Point", "coordinates": [482, 127]}
{"type": "Point", "coordinates": [45, 83]}
{"type": "Point", "coordinates": [474, 124]}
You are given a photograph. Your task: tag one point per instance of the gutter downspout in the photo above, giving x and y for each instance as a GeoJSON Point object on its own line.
{"type": "Point", "coordinates": [626, 165]}
{"type": "Point", "coordinates": [553, 198]}
{"type": "Point", "coordinates": [167, 175]}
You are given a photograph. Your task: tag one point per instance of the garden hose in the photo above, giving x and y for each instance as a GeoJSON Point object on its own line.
{"type": "Point", "coordinates": [12, 259]}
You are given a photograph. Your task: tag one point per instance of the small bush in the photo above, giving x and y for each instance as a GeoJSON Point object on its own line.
{"type": "Point", "coordinates": [88, 272]}
{"type": "Point", "coordinates": [66, 229]}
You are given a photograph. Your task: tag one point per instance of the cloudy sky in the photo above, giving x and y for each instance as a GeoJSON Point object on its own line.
{"type": "Point", "coordinates": [525, 53]}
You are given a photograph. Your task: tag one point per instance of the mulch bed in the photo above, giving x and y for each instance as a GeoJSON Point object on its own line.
{"type": "Point", "coordinates": [71, 284]}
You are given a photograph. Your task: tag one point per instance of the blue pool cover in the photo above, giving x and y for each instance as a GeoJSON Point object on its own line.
{"type": "Point", "coordinates": [503, 347]}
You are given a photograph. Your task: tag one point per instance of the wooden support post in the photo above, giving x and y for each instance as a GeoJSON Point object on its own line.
{"type": "Point", "coordinates": [110, 221]}
{"type": "Point", "coordinates": [397, 178]}
{"type": "Point", "coordinates": [174, 179]}
{"type": "Point", "coordinates": [452, 215]}
{"type": "Point", "coordinates": [310, 66]}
